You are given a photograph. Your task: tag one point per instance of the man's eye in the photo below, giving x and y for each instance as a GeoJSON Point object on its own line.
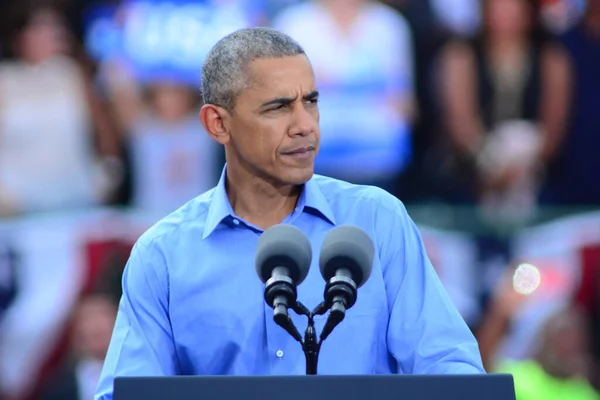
{"type": "Point", "coordinates": [312, 101]}
{"type": "Point", "coordinates": [279, 107]}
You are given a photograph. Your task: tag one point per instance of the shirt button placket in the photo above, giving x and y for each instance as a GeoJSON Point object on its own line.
{"type": "Point", "coordinates": [274, 343]}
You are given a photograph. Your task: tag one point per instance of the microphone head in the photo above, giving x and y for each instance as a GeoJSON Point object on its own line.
{"type": "Point", "coordinates": [283, 246]}
{"type": "Point", "coordinates": [347, 247]}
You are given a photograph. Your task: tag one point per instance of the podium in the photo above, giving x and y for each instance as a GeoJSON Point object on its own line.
{"type": "Point", "coordinates": [317, 387]}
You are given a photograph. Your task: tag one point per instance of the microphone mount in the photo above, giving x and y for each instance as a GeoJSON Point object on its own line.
{"type": "Point", "coordinates": [282, 262]}
{"type": "Point", "coordinates": [280, 293]}
{"type": "Point", "coordinates": [310, 344]}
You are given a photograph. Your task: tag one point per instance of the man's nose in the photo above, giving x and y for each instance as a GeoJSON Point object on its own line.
{"type": "Point", "coordinates": [304, 123]}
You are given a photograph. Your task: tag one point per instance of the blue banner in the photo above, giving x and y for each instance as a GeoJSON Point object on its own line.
{"type": "Point", "coordinates": [166, 39]}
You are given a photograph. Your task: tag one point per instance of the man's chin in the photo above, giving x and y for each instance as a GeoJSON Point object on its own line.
{"type": "Point", "coordinates": [299, 176]}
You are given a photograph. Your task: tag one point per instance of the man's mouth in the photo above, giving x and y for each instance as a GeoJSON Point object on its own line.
{"type": "Point", "coordinates": [300, 151]}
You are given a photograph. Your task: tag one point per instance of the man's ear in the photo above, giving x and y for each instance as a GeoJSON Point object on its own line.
{"type": "Point", "coordinates": [212, 117]}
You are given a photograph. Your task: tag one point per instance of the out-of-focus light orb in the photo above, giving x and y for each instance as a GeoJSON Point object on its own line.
{"type": "Point", "coordinates": [526, 279]}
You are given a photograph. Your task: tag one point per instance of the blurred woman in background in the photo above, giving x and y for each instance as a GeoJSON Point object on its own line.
{"type": "Point", "coordinates": [505, 97]}
{"type": "Point", "coordinates": [56, 147]}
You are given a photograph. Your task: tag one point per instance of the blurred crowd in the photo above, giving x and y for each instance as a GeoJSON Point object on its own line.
{"type": "Point", "coordinates": [488, 104]}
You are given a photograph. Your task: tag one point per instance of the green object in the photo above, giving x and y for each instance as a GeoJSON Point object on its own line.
{"type": "Point", "coordinates": [533, 383]}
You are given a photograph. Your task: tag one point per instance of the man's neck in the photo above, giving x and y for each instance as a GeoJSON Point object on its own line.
{"type": "Point", "coordinates": [259, 201]}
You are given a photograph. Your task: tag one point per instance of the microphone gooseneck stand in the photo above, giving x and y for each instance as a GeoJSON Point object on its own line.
{"type": "Point", "coordinates": [340, 295]}
{"type": "Point", "coordinates": [310, 344]}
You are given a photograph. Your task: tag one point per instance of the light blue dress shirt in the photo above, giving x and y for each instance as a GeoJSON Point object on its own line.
{"type": "Point", "coordinates": [193, 305]}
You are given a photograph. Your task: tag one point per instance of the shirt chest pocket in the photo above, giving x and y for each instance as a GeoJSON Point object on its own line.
{"type": "Point", "coordinates": [353, 345]}
{"type": "Point", "coordinates": [219, 340]}
{"type": "Point", "coordinates": [218, 322]}
{"type": "Point", "coordinates": [358, 342]}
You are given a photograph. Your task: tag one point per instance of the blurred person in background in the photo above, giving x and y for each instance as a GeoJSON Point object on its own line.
{"type": "Point", "coordinates": [433, 24]}
{"type": "Point", "coordinates": [572, 180]}
{"type": "Point", "coordinates": [560, 365]}
{"type": "Point", "coordinates": [594, 311]}
{"type": "Point", "coordinates": [156, 105]}
{"type": "Point", "coordinates": [595, 333]}
{"type": "Point", "coordinates": [172, 158]}
{"type": "Point", "coordinates": [505, 98]}
{"type": "Point", "coordinates": [50, 121]}
{"type": "Point", "coordinates": [93, 323]}
{"type": "Point", "coordinates": [362, 55]}
{"type": "Point", "coordinates": [588, 298]}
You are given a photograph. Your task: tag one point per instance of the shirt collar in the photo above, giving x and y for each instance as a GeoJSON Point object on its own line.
{"type": "Point", "coordinates": [311, 201]}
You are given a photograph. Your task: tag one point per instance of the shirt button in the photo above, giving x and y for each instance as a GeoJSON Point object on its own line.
{"type": "Point", "coordinates": [236, 222]}
{"type": "Point", "coordinates": [279, 353]}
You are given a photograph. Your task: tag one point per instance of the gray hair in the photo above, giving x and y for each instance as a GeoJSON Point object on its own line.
{"type": "Point", "coordinates": [224, 70]}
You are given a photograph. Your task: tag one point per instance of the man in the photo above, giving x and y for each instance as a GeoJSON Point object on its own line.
{"type": "Point", "coordinates": [192, 303]}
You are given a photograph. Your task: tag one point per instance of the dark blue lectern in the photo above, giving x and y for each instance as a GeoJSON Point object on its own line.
{"type": "Point", "coordinates": [318, 387]}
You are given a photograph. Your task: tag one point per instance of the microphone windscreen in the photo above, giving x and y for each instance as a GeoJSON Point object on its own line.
{"type": "Point", "coordinates": [347, 247]}
{"type": "Point", "coordinates": [283, 245]}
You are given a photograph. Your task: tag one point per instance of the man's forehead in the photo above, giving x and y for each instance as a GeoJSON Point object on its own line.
{"type": "Point", "coordinates": [281, 73]}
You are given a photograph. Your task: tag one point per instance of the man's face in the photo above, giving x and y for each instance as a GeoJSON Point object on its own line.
{"type": "Point", "coordinates": [274, 128]}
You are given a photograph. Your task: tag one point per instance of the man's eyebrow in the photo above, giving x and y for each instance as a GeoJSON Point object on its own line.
{"type": "Point", "coordinates": [285, 101]}
{"type": "Point", "coordinates": [312, 95]}
{"type": "Point", "coordinates": [282, 101]}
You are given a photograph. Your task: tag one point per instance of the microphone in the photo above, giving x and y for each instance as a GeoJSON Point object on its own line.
{"type": "Point", "coordinates": [345, 262]}
{"type": "Point", "coordinates": [282, 261]}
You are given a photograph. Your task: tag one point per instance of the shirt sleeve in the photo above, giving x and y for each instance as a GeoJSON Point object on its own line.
{"type": "Point", "coordinates": [142, 340]}
{"type": "Point", "coordinates": [426, 334]}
